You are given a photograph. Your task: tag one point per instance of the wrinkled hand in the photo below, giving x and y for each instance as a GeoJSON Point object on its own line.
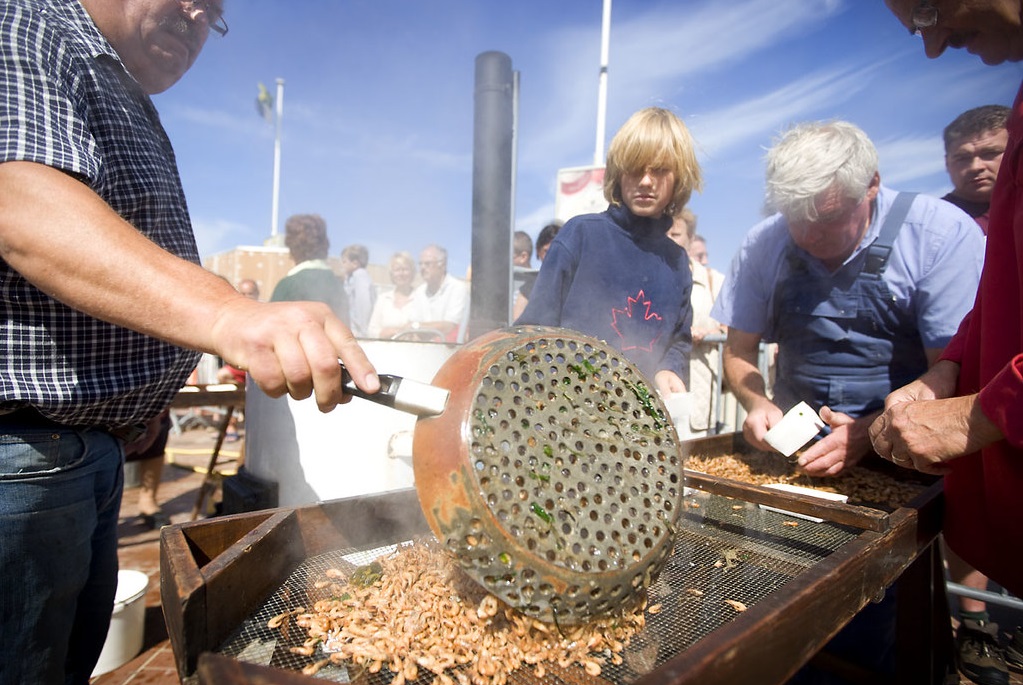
{"type": "Point", "coordinates": [293, 348]}
{"type": "Point", "coordinates": [759, 419]}
{"type": "Point", "coordinates": [923, 426]}
{"type": "Point", "coordinates": [913, 392]}
{"type": "Point", "coordinates": [926, 434]}
{"type": "Point", "coordinates": [936, 383]}
{"type": "Point", "coordinates": [845, 446]}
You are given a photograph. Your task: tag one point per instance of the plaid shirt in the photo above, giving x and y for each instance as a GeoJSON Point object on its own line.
{"type": "Point", "coordinates": [67, 102]}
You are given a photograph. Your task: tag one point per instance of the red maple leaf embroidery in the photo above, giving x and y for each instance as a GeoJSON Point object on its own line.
{"type": "Point", "coordinates": [626, 323]}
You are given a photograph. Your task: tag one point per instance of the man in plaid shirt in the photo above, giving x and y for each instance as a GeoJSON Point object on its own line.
{"type": "Point", "coordinates": [103, 306]}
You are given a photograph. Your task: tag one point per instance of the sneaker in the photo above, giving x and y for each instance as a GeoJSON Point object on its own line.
{"type": "Point", "coordinates": [1014, 650]}
{"type": "Point", "coordinates": [980, 657]}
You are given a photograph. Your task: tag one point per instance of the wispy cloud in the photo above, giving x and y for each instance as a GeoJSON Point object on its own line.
{"type": "Point", "coordinates": [672, 42]}
{"type": "Point", "coordinates": [212, 235]}
{"type": "Point", "coordinates": [908, 160]}
{"type": "Point", "coordinates": [764, 115]}
{"type": "Point", "coordinates": [651, 57]}
{"type": "Point", "coordinates": [323, 131]}
{"type": "Point", "coordinates": [218, 120]}
{"type": "Point", "coordinates": [390, 150]}
{"type": "Point", "coordinates": [534, 218]}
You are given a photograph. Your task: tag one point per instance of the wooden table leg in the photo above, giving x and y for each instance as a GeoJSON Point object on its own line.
{"type": "Point", "coordinates": [209, 479]}
{"type": "Point", "coordinates": [924, 639]}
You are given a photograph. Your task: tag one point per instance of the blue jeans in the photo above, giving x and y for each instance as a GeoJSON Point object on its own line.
{"type": "Point", "coordinates": [60, 497]}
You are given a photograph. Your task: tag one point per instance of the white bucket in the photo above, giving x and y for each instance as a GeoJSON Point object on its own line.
{"type": "Point", "coordinates": [132, 475]}
{"type": "Point", "coordinates": [127, 625]}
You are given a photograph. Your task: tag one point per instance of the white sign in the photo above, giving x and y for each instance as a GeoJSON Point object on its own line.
{"type": "Point", "coordinates": [580, 191]}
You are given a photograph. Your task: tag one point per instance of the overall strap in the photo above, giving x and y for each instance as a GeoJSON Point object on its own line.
{"type": "Point", "coordinates": [881, 249]}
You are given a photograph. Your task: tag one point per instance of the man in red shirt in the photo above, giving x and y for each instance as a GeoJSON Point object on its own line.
{"type": "Point", "coordinates": [964, 417]}
{"type": "Point", "coordinates": [974, 145]}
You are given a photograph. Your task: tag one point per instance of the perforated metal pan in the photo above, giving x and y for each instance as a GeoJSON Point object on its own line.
{"type": "Point", "coordinates": [553, 473]}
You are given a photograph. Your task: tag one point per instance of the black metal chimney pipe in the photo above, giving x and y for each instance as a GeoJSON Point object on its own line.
{"type": "Point", "coordinates": [492, 180]}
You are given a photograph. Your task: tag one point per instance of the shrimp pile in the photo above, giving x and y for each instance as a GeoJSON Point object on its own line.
{"type": "Point", "coordinates": [862, 485]}
{"type": "Point", "coordinates": [417, 615]}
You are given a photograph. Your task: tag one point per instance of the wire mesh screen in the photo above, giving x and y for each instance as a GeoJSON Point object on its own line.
{"type": "Point", "coordinates": [728, 555]}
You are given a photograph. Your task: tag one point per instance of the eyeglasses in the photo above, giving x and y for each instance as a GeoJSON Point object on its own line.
{"type": "Point", "coordinates": [925, 15]}
{"type": "Point", "coordinates": [214, 14]}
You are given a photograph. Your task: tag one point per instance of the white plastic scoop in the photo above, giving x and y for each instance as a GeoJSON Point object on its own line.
{"type": "Point", "coordinates": [799, 425]}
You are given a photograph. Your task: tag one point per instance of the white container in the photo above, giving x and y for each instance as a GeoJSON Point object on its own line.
{"type": "Point", "coordinates": [132, 475]}
{"type": "Point", "coordinates": [127, 625]}
{"type": "Point", "coordinates": [358, 449]}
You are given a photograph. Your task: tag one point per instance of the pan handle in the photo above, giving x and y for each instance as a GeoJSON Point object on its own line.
{"type": "Point", "coordinates": [403, 394]}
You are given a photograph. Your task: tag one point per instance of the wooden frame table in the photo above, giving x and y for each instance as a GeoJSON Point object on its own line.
{"type": "Point", "coordinates": [225, 395]}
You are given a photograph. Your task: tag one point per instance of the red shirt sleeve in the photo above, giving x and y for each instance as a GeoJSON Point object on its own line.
{"type": "Point", "coordinates": [953, 352]}
{"type": "Point", "coordinates": [1001, 400]}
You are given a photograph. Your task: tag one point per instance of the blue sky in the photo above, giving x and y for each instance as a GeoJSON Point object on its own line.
{"type": "Point", "coordinates": [378, 106]}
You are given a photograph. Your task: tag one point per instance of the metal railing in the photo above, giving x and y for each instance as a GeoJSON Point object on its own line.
{"type": "Point", "coordinates": [1001, 598]}
{"type": "Point", "coordinates": [718, 391]}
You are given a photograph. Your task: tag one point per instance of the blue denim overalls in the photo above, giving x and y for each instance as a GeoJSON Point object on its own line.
{"type": "Point", "coordinates": [843, 340]}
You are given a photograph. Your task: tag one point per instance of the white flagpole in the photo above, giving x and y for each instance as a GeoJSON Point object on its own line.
{"type": "Point", "coordinates": [275, 211]}
{"type": "Point", "coordinates": [605, 40]}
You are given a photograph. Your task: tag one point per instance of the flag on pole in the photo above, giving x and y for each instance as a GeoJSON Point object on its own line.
{"type": "Point", "coordinates": [265, 104]}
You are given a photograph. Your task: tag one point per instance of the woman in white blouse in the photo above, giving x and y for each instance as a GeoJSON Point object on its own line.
{"type": "Point", "coordinates": [396, 310]}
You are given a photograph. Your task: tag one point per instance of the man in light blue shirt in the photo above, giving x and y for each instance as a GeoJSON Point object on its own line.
{"type": "Point", "coordinates": [860, 286]}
